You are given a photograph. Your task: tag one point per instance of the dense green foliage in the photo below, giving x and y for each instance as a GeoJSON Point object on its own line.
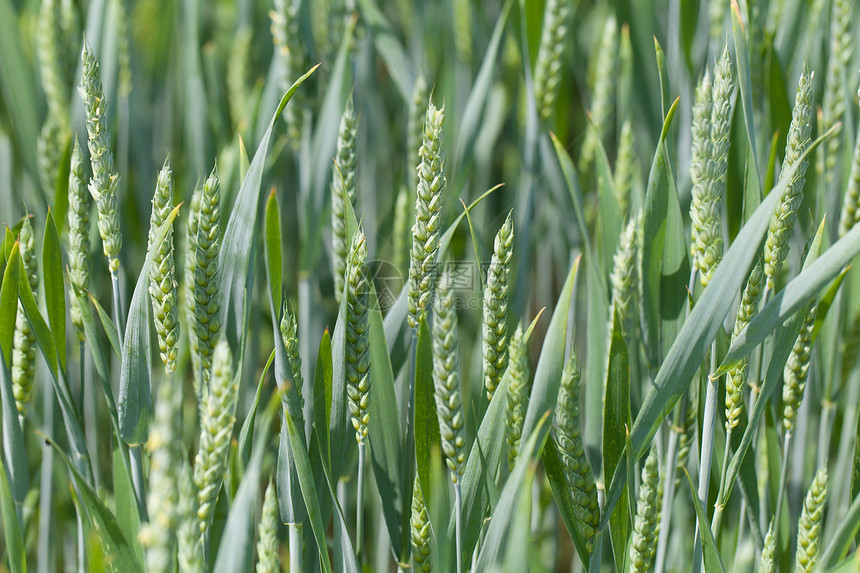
{"type": "Point", "coordinates": [362, 285]}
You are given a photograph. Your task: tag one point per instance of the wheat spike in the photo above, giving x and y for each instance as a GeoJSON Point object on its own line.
{"type": "Point", "coordinates": [357, 337]}
{"type": "Point", "coordinates": [78, 236]}
{"type": "Point", "coordinates": [268, 558]}
{"type": "Point", "coordinates": [162, 271]}
{"type": "Point", "coordinates": [420, 529]}
{"type": "Point", "coordinates": [428, 216]}
{"type": "Point", "coordinates": [105, 181]}
{"type": "Point", "coordinates": [216, 427]}
{"type": "Point", "coordinates": [518, 394]}
{"type": "Point", "coordinates": [580, 476]}
{"type": "Point", "coordinates": [495, 308]}
{"type": "Point", "coordinates": [446, 379]}
{"type": "Point", "coordinates": [809, 525]}
{"type": "Point", "coordinates": [556, 20]}
{"type": "Point", "coordinates": [782, 220]}
{"type": "Point", "coordinates": [207, 300]}
{"type": "Point", "coordinates": [342, 189]}
{"type": "Point", "coordinates": [647, 518]}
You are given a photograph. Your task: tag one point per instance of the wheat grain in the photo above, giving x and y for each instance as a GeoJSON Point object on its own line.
{"type": "Point", "coordinates": [24, 340]}
{"type": "Point", "coordinates": [342, 189]}
{"type": "Point", "coordinates": [518, 394]}
{"type": "Point", "coordinates": [357, 338]}
{"type": "Point", "coordinates": [268, 559]}
{"type": "Point", "coordinates": [809, 525]}
{"type": "Point", "coordinates": [556, 19]}
{"type": "Point", "coordinates": [207, 302]}
{"type": "Point", "coordinates": [78, 235]}
{"type": "Point", "coordinates": [420, 531]}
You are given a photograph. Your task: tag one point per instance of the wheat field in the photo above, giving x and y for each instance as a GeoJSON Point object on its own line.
{"type": "Point", "coordinates": [455, 285]}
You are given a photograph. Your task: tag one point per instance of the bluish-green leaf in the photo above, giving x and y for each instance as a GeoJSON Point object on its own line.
{"type": "Point", "coordinates": [547, 377]}
{"type": "Point", "coordinates": [127, 515]}
{"type": "Point", "coordinates": [427, 438]}
{"type": "Point", "coordinates": [235, 255]}
{"type": "Point", "coordinates": [52, 284]}
{"type": "Point", "coordinates": [562, 495]}
{"type": "Point", "coordinates": [616, 421]}
{"type": "Point", "coordinates": [709, 545]}
{"type": "Point", "coordinates": [14, 452]}
{"type": "Point", "coordinates": [9, 304]}
{"type": "Point", "coordinates": [11, 527]}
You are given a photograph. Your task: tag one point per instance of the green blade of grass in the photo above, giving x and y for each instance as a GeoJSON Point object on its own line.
{"type": "Point", "coordinates": [235, 256]}
{"type": "Point", "coordinates": [14, 452]}
{"type": "Point", "coordinates": [709, 545]}
{"type": "Point", "coordinates": [616, 420]}
{"type": "Point", "coordinates": [492, 550]}
{"type": "Point", "coordinates": [547, 377]}
{"type": "Point", "coordinates": [9, 303]}
{"type": "Point", "coordinates": [660, 229]}
{"type": "Point", "coordinates": [843, 537]}
{"type": "Point", "coordinates": [308, 489]}
{"type": "Point", "coordinates": [106, 543]}
{"type": "Point", "coordinates": [561, 495]}
{"type": "Point", "coordinates": [427, 438]}
{"type": "Point", "coordinates": [11, 527]}
{"type": "Point", "coordinates": [742, 58]}
{"type": "Point", "coordinates": [54, 289]}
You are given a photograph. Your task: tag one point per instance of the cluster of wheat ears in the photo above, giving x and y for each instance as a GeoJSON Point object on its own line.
{"type": "Point", "coordinates": [641, 354]}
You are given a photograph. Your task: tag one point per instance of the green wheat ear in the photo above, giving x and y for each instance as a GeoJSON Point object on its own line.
{"type": "Point", "coordinates": [290, 336]}
{"type": "Point", "coordinates": [80, 204]}
{"type": "Point", "coordinates": [105, 181]}
{"type": "Point", "coordinates": [796, 369]}
{"type": "Point", "coordinates": [580, 476]}
{"type": "Point", "coordinates": [809, 525]}
{"type": "Point", "coordinates": [495, 308]}
{"type": "Point", "coordinates": [218, 416]}
{"type": "Point", "coordinates": [767, 565]}
{"type": "Point", "coordinates": [646, 523]}
{"type": "Point", "coordinates": [342, 188]}
{"type": "Point", "coordinates": [162, 272]}
{"type": "Point", "coordinates": [207, 300]}
{"type": "Point", "coordinates": [625, 286]}
{"type": "Point", "coordinates": [833, 106]}
{"type": "Point", "coordinates": [420, 530]}
{"type": "Point", "coordinates": [700, 132]}
{"type": "Point", "coordinates": [518, 394]}
{"type": "Point", "coordinates": [603, 70]}
{"type": "Point", "coordinates": [428, 216]}
{"type": "Point", "coordinates": [736, 377]}
{"type": "Point", "coordinates": [556, 19]}
{"type": "Point", "coordinates": [625, 169]}
{"type": "Point", "coordinates": [851, 200]}
{"type": "Point", "coordinates": [24, 340]}
{"type": "Point", "coordinates": [782, 220]}
{"type": "Point", "coordinates": [415, 126]}
{"type": "Point", "coordinates": [165, 445]}
{"type": "Point", "coordinates": [446, 379]}
{"type": "Point", "coordinates": [357, 338]}
{"type": "Point", "coordinates": [268, 559]}
{"type": "Point", "coordinates": [710, 184]}
{"type": "Point", "coordinates": [289, 48]}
